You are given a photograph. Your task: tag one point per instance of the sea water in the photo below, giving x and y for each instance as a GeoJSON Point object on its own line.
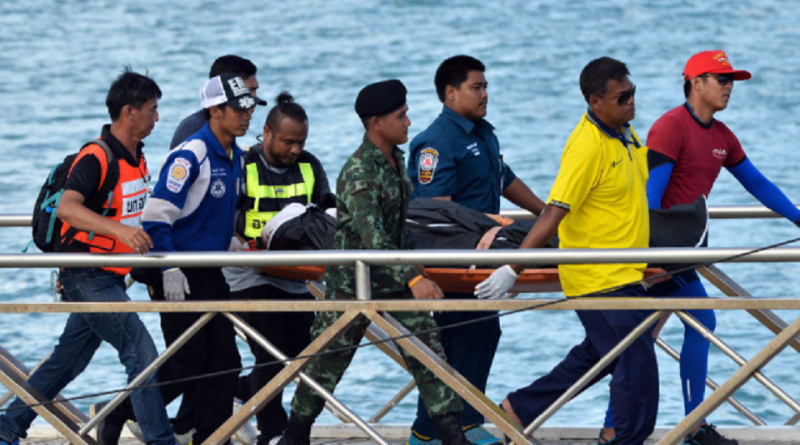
{"type": "Point", "coordinates": [57, 59]}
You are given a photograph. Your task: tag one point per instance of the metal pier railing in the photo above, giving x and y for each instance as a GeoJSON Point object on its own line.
{"type": "Point", "coordinates": [76, 426]}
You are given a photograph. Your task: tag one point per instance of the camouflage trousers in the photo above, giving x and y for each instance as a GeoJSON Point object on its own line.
{"type": "Point", "coordinates": [328, 369]}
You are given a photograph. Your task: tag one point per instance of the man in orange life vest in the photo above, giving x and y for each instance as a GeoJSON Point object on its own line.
{"type": "Point", "coordinates": [132, 105]}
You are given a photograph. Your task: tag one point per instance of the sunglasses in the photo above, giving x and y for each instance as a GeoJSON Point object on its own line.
{"type": "Point", "coordinates": [626, 96]}
{"type": "Point", "coordinates": [722, 80]}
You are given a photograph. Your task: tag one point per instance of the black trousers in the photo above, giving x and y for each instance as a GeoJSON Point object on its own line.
{"type": "Point", "coordinates": [210, 350]}
{"type": "Point", "coordinates": [289, 332]}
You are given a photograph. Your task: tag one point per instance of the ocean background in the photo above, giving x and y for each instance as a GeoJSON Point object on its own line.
{"type": "Point", "coordinates": [58, 58]}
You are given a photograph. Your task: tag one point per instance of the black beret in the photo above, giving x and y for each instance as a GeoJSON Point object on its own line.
{"type": "Point", "coordinates": [380, 98]}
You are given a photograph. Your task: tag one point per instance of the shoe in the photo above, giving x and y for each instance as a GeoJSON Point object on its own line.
{"type": "Point", "coordinates": [298, 431]}
{"type": "Point", "coordinates": [449, 428]}
{"type": "Point", "coordinates": [3, 442]}
{"type": "Point", "coordinates": [418, 439]}
{"type": "Point", "coordinates": [135, 429]}
{"type": "Point", "coordinates": [185, 438]}
{"type": "Point", "coordinates": [478, 435]}
{"type": "Point", "coordinates": [246, 434]}
{"type": "Point", "coordinates": [109, 430]}
{"type": "Point", "coordinates": [285, 440]}
{"type": "Point", "coordinates": [603, 441]}
{"type": "Point", "coordinates": [708, 435]}
{"type": "Point", "coordinates": [275, 440]}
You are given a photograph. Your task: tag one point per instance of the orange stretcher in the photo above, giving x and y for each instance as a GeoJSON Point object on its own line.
{"type": "Point", "coordinates": [460, 280]}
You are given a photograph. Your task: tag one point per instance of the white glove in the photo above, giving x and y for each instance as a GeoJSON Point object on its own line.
{"type": "Point", "coordinates": [176, 286]}
{"type": "Point", "coordinates": [498, 284]}
{"type": "Point", "coordinates": [236, 245]}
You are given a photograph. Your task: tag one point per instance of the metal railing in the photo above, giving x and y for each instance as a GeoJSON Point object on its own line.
{"type": "Point", "coordinates": [385, 326]}
{"type": "Point", "coordinates": [715, 212]}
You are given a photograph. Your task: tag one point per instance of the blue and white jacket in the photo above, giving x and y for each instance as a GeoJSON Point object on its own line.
{"type": "Point", "coordinates": [193, 205]}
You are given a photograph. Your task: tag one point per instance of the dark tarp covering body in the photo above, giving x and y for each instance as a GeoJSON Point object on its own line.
{"type": "Point", "coordinates": [442, 225]}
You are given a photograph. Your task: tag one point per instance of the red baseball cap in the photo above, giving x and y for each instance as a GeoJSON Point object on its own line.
{"type": "Point", "coordinates": [715, 62]}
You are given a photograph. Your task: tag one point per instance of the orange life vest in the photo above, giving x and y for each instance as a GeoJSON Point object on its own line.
{"type": "Point", "coordinates": [125, 206]}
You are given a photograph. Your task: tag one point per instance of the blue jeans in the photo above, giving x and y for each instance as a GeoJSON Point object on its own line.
{"type": "Point", "coordinates": [470, 350]}
{"type": "Point", "coordinates": [78, 343]}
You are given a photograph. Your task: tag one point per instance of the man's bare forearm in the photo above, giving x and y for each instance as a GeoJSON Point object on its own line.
{"type": "Point", "coordinates": [72, 211]}
{"type": "Point", "coordinates": [544, 229]}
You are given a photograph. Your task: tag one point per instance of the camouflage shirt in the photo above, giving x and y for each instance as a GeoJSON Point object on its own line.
{"type": "Point", "coordinates": [371, 206]}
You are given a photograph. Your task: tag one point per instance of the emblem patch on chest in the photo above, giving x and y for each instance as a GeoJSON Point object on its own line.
{"type": "Point", "coordinates": [218, 188]}
{"type": "Point", "coordinates": [428, 159]}
{"type": "Point", "coordinates": [720, 153]}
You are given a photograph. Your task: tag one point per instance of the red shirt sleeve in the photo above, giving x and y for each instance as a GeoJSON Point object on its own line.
{"type": "Point", "coordinates": [735, 151]}
{"type": "Point", "coordinates": [666, 137]}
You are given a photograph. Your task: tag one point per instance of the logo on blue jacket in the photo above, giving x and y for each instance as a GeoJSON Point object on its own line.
{"type": "Point", "coordinates": [218, 188]}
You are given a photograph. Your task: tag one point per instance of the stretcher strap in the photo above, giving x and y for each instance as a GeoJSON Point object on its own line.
{"type": "Point", "coordinates": [487, 238]}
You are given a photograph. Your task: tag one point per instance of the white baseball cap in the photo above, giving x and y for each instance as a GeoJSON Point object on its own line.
{"type": "Point", "coordinates": [228, 89]}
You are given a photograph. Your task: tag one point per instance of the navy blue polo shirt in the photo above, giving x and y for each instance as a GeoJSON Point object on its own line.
{"type": "Point", "coordinates": [459, 158]}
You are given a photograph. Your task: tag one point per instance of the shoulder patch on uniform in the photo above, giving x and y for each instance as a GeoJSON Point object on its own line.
{"type": "Point", "coordinates": [428, 160]}
{"type": "Point", "coordinates": [178, 174]}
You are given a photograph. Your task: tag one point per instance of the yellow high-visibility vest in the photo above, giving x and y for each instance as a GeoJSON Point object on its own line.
{"type": "Point", "coordinates": [257, 216]}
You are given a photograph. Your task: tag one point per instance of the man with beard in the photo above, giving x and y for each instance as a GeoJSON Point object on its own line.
{"type": "Point", "coordinates": [278, 172]}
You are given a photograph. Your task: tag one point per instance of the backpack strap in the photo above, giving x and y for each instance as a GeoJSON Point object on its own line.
{"type": "Point", "coordinates": [105, 193]}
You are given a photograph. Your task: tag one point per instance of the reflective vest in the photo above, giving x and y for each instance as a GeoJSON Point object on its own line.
{"type": "Point", "coordinates": [263, 200]}
{"type": "Point", "coordinates": [124, 205]}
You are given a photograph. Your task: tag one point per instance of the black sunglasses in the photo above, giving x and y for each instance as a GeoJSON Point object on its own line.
{"type": "Point", "coordinates": [626, 96]}
{"type": "Point", "coordinates": [722, 80]}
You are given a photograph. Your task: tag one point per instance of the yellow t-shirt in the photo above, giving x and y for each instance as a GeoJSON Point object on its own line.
{"type": "Point", "coordinates": [602, 183]}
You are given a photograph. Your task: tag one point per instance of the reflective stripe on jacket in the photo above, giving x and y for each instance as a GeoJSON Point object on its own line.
{"type": "Point", "coordinates": [127, 201]}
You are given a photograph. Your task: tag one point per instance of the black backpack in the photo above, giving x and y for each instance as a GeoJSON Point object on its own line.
{"type": "Point", "coordinates": [46, 226]}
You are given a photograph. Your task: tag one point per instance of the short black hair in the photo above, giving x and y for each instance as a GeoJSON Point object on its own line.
{"type": "Point", "coordinates": [687, 88]}
{"type": "Point", "coordinates": [454, 71]}
{"type": "Point", "coordinates": [132, 89]}
{"type": "Point", "coordinates": [231, 64]}
{"type": "Point", "coordinates": [207, 111]}
{"type": "Point", "coordinates": [597, 73]}
{"type": "Point", "coordinates": [285, 106]}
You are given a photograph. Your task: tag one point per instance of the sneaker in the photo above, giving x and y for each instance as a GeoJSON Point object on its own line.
{"type": "Point", "coordinates": [246, 434]}
{"type": "Point", "coordinates": [478, 435]}
{"type": "Point", "coordinates": [418, 439]}
{"type": "Point", "coordinates": [185, 438]}
{"type": "Point", "coordinates": [708, 435]}
{"type": "Point", "coordinates": [603, 441]}
{"type": "Point", "coordinates": [3, 442]}
{"type": "Point", "coordinates": [109, 430]}
{"type": "Point", "coordinates": [276, 440]}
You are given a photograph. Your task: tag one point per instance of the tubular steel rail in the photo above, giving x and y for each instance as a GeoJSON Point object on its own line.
{"type": "Point", "coordinates": [75, 426]}
{"type": "Point", "coordinates": [715, 212]}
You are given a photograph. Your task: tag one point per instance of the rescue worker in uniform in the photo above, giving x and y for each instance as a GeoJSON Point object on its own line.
{"type": "Point", "coordinates": [457, 158]}
{"type": "Point", "coordinates": [191, 124]}
{"type": "Point", "coordinates": [192, 209]}
{"type": "Point", "coordinates": [598, 200]}
{"type": "Point", "coordinates": [278, 172]}
{"type": "Point", "coordinates": [183, 423]}
{"type": "Point", "coordinates": [133, 108]}
{"type": "Point", "coordinates": [372, 200]}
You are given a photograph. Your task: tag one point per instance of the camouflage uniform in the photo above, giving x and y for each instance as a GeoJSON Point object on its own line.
{"type": "Point", "coordinates": [372, 201]}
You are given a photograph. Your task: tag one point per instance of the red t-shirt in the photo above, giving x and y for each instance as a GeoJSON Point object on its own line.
{"type": "Point", "coordinates": [698, 151]}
